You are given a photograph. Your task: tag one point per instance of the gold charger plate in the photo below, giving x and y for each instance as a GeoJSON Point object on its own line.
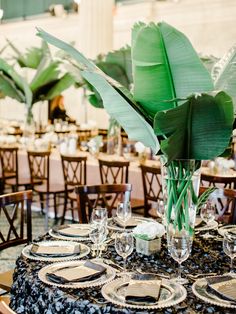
{"type": "Point", "coordinates": [84, 251]}
{"type": "Point", "coordinates": [56, 234]}
{"type": "Point", "coordinates": [199, 289]}
{"type": "Point", "coordinates": [111, 224]}
{"type": "Point", "coordinates": [171, 294]}
{"type": "Point", "coordinates": [104, 278]}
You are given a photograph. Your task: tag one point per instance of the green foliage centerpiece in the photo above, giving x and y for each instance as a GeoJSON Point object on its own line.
{"type": "Point", "coordinates": [172, 109]}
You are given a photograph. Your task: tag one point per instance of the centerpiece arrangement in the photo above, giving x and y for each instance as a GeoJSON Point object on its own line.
{"type": "Point", "coordinates": [172, 109]}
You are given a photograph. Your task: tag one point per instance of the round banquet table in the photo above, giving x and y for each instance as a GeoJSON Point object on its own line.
{"type": "Point", "coordinates": [30, 295]}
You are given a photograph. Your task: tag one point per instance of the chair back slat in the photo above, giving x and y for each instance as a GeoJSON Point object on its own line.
{"type": "Point", "coordinates": [152, 187]}
{"type": "Point", "coordinates": [113, 172]}
{"type": "Point", "coordinates": [39, 165]}
{"type": "Point", "coordinates": [9, 162]}
{"type": "Point", "coordinates": [15, 214]}
{"type": "Point", "coordinates": [105, 195]}
{"type": "Point", "coordinates": [74, 170]}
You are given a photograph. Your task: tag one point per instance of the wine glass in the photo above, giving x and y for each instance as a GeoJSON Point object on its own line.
{"type": "Point", "coordinates": [229, 247]}
{"type": "Point", "coordinates": [208, 212]}
{"type": "Point", "coordinates": [161, 210]}
{"type": "Point", "coordinates": [99, 216]}
{"type": "Point", "coordinates": [97, 236]}
{"type": "Point", "coordinates": [124, 212]}
{"type": "Point", "coordinates": [124, 245]}
{"type": "Point", "coordinates": [179, 247]}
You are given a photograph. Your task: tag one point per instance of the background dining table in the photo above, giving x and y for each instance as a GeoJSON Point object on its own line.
{"type": "Point", "coordinates": [31, 296]}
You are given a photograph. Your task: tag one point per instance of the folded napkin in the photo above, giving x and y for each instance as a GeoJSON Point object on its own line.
{"type": "Point", "coordinates": [143, 291]}
{"type": "Point", "coordinates": [129, 223]}
{"type": "Point", "coordinates": [54, 250]}
{"type": "Point", "coordinates": [199, 222]}
{"type": "Point", "coordinates": [74, 231]}
{"type": "Point", "coordinates": [223, 286]}
{"type": "Point", "coordinates": [69, 274]}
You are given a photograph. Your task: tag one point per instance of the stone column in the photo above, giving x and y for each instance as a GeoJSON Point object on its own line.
{"type": "Point", "coordinates": [95, 27]}
{"type": "Point", "coordinates": [95, 36]}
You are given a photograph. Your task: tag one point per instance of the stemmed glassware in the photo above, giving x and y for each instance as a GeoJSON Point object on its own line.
{"type": "Point", "coordinates": [179, 246]}
{"type": "Point", "coordinates": [160, 208]}
{"type": "Point", "coordinates": [97, 236]}
{"type": "Point", "coordinates": [208, 212]}
{"type": "Point", "coordinates": [124, 212]}
{"type": "Point", "coordinates": [124, 245]}
{"type": "Point", "coordinates": [98, 232]}
{"type": "Point", "coordinates": [229, 247]}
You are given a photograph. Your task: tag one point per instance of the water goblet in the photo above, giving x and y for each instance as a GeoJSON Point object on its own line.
{"type": "Point", "coordinates": [160, 209]}
{"type": "Point", "coordinates": [99, 216]}
{"type": "Point", "coordinates": [208, 212]}
{"type": "Point", "coordinates": [97, 236]}
{"type": "Point", "coordinates": [124, 212]}
{"type": "Point", "coordinates": [124, 245]}
{"type": "Point", "coordinates": [229, 247]}
{"type": "Point", "coordinates": [179, 246]}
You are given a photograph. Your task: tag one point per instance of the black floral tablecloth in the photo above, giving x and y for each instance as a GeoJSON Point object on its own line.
{"type": "Point", "coordinates": [30, 295]}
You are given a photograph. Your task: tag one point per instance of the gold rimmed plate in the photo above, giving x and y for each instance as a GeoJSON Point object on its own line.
{"type": "Point", "coordinates": [201, 290]}
{"type": "Point", "coordinates": [71, 232]}
{"type": "Point", "coordinates": [103, 278]}
{"type": "Point", "coordinates": [170, 294]}
{"type": "Point", "coordinates": [83, 251]}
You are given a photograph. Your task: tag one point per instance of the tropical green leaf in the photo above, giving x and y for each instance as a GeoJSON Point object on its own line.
{"type": "Point", "coordinates": [62, 84]}
{"type": "Point", "coordinates": [118, 108]}
{"type": "Point", "coordinates": [208, 61]}
{"type": "Point", "coordinates": [165, 67]}
{"type": "Point", "coordinates": [116, 99]}
{"type": "Point", "coordinates": [198, 129]}
{"type": "Point", "coordinates": [121, 57]}
{"type": "Point", "coordinates": [8, 88]}
{"type": "Point", "coordinates": [32, 57]}
{"type": "Point", "coordinates": [45, 75]}
{"type": "Point", "coordinates": [224, 74]}
{"type": "Point", "coordinates": [17, 80]}
{"type": "Point", "coordinates": [115, 71]}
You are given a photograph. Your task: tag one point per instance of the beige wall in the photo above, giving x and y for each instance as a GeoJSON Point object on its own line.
{"type": "Point", "coordinates": [210, 25]}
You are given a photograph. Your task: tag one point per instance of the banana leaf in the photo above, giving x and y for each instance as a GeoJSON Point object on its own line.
{"type": "Point", "coordinates": [116, 99]}
{"type": "Point", "coordinates": [224, 74]}
{"type": "Point", "coordinates": [45, 75]}
{"type": "Point", "coordinates": [16, 80]}
{"type": "Point", "coordinates": [62, 84]}
{"type": "Point", "coordinates": [8, 88]}
{"type": "Point", "coordinates": [165, 67]}
{"type": "Point", "coordinates": [32, 57]}
{"type": "Point", "coordinates": [121, 57]}
{"type": "Point", "coordinates": [202, 127]}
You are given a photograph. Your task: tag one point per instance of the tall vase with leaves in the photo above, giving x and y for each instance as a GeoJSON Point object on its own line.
{"type": "Point", "coordinates": [172, 109]}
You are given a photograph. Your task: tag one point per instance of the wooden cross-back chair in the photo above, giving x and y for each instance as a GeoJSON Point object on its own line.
{"type": "Point", "coordinates": [15, 214]}
{"type": "Point", "coordinates": [10, 172]}
{"type": "Point", "coordinates": [75, 173]}
{"type": "Point", "coordinates": [217, 180]}
{"type": "Point", "coordinates": [113, 171]}
{"type": "Point", "coordinates": [105, 195]}
{"type": "Point", "coordinates": [117, 172]}
{"type": "Point", "coordinates": [39, 164]}
{"type": "Point", "coordinates": [152, 188]}
{"type": "Point", "coordinates": [225, 201]}
{"type": "Point", "coordinates": [222, 182]}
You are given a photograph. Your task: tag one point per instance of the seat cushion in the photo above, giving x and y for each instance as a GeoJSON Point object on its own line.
{"type": "Point", "coordinates": [53, 188]}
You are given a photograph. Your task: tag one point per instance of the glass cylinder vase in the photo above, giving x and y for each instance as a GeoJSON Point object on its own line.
{"type": "Point", "coordinates": [180, 186]}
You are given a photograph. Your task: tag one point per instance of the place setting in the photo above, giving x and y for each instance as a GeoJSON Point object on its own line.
{"type": "Point", "coordinates": [123, 218]}
{"type": "Point", "coordinates": [72, 232]}
{"type": "Point", "coordinates": [53, 251]}
{"type": "Point", "coordinates": [220, 290]}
